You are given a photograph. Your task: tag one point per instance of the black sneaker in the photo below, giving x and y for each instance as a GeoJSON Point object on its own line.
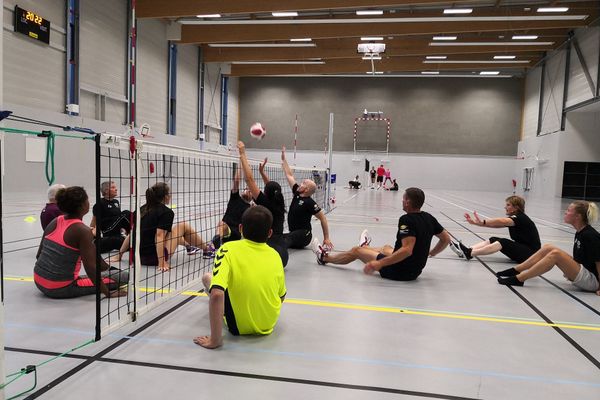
{"type": "Point", "coordinates": [509, 281]}
{"type": "Point", "coordinates": [456, 249]}
{"type": "Point", "coordinates": [466, 250]}
{"type": "Point", "coordinates": [507, 272]}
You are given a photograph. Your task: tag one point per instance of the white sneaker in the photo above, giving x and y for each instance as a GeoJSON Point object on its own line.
{"type": "Point", "coordinates": [365, 238]}
{"type": "Point", "coordinates": [456, 249]}
{"type": "Point", "coordinates": [319, 251]}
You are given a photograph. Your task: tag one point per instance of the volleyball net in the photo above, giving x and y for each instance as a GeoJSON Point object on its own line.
{"type": "Point", "coordinates": [200, 185]}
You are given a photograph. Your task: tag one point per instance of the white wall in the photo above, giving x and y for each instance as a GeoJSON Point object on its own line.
{"type": "Point", "coordinates": [187, 91]}
{"type": "Point", "coordinates": [233, 111]}
{"type": "Point", "coordinates": [420, 170]}
{"type": "Point", "coordinates": [212, 102]}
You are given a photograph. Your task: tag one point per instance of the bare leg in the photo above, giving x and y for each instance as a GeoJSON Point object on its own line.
{"type": "Point", "coordinates": [181, 235]}
{"type": "Point", "coordinates": [480, 245]}
{"type": "Point", "coordinates": [363, 254]}
{"type": "Point", "coordinates": [124, 247]}
{"type": "Point", "coordinates": [536, 257]}
{"type": "Point", "coordinates": [486, 249]}
{"type": "Point", "coordinates": [206, 280]}
{"type": "Point", "coordinates": [557, 257]}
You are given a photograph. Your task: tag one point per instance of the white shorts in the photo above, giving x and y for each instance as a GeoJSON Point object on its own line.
{"type": "Point", "coordinates": [585, 280]}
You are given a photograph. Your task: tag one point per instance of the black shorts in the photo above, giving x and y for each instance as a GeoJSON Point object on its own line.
{"type": "Point", "coordinates": [515, 251]}
{"type": "Point", "coordinates": [399, 271]}
{"type": "Point", "coordinates": [380, 179]}
{"type": "Point", "coordinates": [298, 239]}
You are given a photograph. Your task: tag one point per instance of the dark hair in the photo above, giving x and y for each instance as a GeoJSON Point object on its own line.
{"type": "Point", "coordinates": [71, 199]}
{"type": "Point", "coordinates": [273, 193]}
{"type": "Point", "coordinates": [155, 195]}
{"type": "Point", "coordinates": [416, 197]}
{"type": "Point", "coordinates": [256, 222]}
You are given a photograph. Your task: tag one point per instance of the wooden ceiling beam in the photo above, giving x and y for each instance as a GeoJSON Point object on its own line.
{"type": "Point", "coordinates": [187, 8]}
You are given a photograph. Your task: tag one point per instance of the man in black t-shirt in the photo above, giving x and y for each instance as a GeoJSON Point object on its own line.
{"type": "Point", "coordinates": [107, 215]}
{"type": "Point", "coordinates": [406, 260]}
{"type": "Point", "coordinates": [301, 210]}
{"type": "Point", "coordinates": [228, 228]}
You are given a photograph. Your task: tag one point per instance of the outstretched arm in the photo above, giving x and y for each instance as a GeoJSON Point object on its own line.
{"type": "Point", "coordinates": [286, 169]}
{"type": "Point", "coordinates": [236, 181]}
{"type": "Point", "coordinates": [247, 171]}
{"type": "Point", "coordinates": [501, 222]}
{"type": "Point", "coordinates": [323, 219]}
{"type": "Point", "coordinates": [263, 174]}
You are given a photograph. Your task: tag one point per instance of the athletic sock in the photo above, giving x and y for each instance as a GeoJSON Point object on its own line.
{"type": "Point", "coordinates": [466, 250]}
{"type": "Point", "coordinates": [509, 281]}
{"type": "Point", "coordinates": [507, 272]}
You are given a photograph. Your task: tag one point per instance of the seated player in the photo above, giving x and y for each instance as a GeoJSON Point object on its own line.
{"type": "Point", "coordinates": [406, 260]}
{"type": "Point", "coordinates": [227, 230]}
{"type": "Point", "coordinates": [583, 269]}
{"type": "Point", "coordinates": [355, 184]}
{"type": "Point", "coordinates": [394, 187]}
{"type": "Point", "coordinates": [301, 210]}
{"type": "Point", "coordinates": [51, 210]}
{"type": "Point", "coordinates": [247, 285]}
{"type": "Point", "coordinates": [159, 235]}
{"type": "Point", "coordinates": [66, 244]}
{"type": "Point", "coordinates": [523, 232]}
{"type": "Point", "coordinates": [272, 199]}
{"type": "Point", "coordinates": [114, 224]}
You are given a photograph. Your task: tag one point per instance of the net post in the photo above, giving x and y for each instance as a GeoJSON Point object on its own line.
{"type": "Point", "coordinates": [329, 164]}
{"type": "Point", "coordinates": [135, 244]}
{"type": "Point", "coordinates": [98, 329]}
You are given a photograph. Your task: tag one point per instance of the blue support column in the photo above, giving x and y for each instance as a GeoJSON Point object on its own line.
{"type": "Point", "coordinates": [224, 101]}
{"type": "Point", "coordinates": [172, 92]}
{"type": "Point", "coordinates": [72, 55]}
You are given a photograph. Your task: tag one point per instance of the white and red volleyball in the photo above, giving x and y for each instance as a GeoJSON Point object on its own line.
{"type": "Point", "coordinates": [257, 131]}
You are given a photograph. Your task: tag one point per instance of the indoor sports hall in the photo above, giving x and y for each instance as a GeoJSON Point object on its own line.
{"type": "Point", "coordinates": [447, 160]}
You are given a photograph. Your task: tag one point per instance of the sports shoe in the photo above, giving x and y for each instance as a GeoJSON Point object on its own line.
{"type": "Point", "coordinates": [192, 250]}
{"type": "Point", "coordinates": [365, 238]}
{"type": "Point", "coordinates": [465, 250]}
{"type": "Point", "coordinates": [319, 251]}
{"type": "Point", "coordinates": [456, 249]}
{"type": "Point", "coordinates": [209, 252]}
{"type": "Point", "coordinates": [509, 281]}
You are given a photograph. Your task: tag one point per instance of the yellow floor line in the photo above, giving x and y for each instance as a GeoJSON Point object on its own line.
{"type": "Point", "coordinates": [393, 310]}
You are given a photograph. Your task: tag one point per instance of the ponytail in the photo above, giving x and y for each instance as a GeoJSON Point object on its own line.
{"type": "Point", "coordinates": [592, 212]}
{"type": "Point", "coordinates": [587, 210]}
{"type": "Point", "coordinates": [155, 196]}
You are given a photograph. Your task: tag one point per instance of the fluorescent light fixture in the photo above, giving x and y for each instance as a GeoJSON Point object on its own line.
{"type": "Point", "coordinates": [524, 37]}
{"type": "Point", "coordinates": [504, 57]}
{"type": "Point", "coordinates": [430, 72]}
{"type": "Point", "coordinates": [264, 45]}
{"type": "Point", "coordinates": [491, 44]}
{"type": "Point", "coordinates": [371, 58]}
{"type": "Point", "coordinates": [371, 38]}
{"type": "Point", "coordinates": [489, 73]}
{"type": "Point", "coordinates": [301, 40]}
{"type": "Point", "coordinates": [208, 16]}
{"type": "Point", "coordinates": [458, 11]}
{"type": "Point", "coordinates": [285, 14]}
{"type": "Point", "coordinates": [476, 62]}
{"type": "Point", "coordinates": [552, 9]}
{"type": "Point", "coordinates": [436, 57]}
{"type": "Point", "coordinates": [278, 62]}
{"type": "Point", "coordinates": [375, 73]}
{"type": "Point", "coordinates": [369, 12]}
{"type": "Point", "coordinates": [444, 38]}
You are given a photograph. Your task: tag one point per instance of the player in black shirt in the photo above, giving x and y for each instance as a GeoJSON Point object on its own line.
{"type": "Point", "coordinates": [522, 230]}
{"type": "Point", "coordinates": [406, 260]}
{"type": "Point", "coordinates": [228, 228]}
{"type": "Point", "coordinates": [272, 199]}
{"type": "Point", "coordinates": [582, 269]}
{"type": "Point", "coordinates": [107, 215]}
{"type": "Point", "coordinates": [301, 210]}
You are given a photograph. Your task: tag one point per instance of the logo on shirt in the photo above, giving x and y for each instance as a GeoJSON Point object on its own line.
{"type": "Point", "coordinates": [577, 244]}
{"type": "Point", "coordinates": [300, 202]}
{"type": "Point", "coordinates": [403, 229]}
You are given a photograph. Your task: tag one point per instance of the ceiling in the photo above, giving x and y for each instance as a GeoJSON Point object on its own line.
{"type": "Point", "coordinates": [256, 43]}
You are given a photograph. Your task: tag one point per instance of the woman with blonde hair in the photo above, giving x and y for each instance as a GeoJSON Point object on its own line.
{"type": "Point", "coordinates": [582, 269]}
{"type": "Point", "coordinates": [524, 237]}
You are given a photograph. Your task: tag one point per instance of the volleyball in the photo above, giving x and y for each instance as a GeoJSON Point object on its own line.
{"type": "Point", "coordinates": [257, 131]}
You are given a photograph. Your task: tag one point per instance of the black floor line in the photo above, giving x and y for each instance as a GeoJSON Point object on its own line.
{"type": "Point", "coordinates": [576, 345]}
{"type": "Point", "coordinates": [245, 375]}
{"type": "Point", "coordinates": [23, 240]}
{"type": "Point", "coordinates": [107, 350]}
{"type": "Point", "coordinates": [21, 249]}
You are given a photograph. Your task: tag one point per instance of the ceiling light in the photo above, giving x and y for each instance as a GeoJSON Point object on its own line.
{"type": "Point", "coordinates": [491, 44]}
{"type": "Point", "coordinates": [458, 11]}
{"type": "Point", "coordinates": [369, 12]}
{"type": "Point", "coordinates": [504, 57]}
{"type": "Point", "coordinates": [301, 40]}
{"type": "Point", "coordinates": [430, 72]}
{"type": "Point", "coordinates": [371, 58]}
{"type": "Point", "coordinates": [209, 16]}
{"type": "Point", "coordinates": [375, 72]}
{"type": "Point", "coordinates": [248, 45]}
{"type": "Point", "coordinates": [524, 37]}
{"type": "Point", "coordinates": [285, 14]}
{"type": "Point", "coordinates": [371, 38]}
{"type": "Point", "coordinates": [489, 73]}
{"type": "Point", "coordinates": [476, 62]}
{"type": "Point", "coordinates": [278, 62]}
{"type": "Point", "coordinates": [436, 57]}
{"type": "Point", "coordinates": [552, 9]}
{"type": "Point", "coordinates": [444, 38]}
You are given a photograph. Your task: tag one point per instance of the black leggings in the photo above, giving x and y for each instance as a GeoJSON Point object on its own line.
{"type": "Point", "coordinates": [515, 251]}
{"type": "Point", "coordinates": [108, 243]}
{"type": "Point", "coordinates": [277, 242]}
{"type": "Point", "coordinates": [298, 239]}
{"type": "Point", "coordinates": [83, 286]}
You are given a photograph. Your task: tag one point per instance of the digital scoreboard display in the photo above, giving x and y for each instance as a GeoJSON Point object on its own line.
{"type": "Point", "coordinates": [32, 25]}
